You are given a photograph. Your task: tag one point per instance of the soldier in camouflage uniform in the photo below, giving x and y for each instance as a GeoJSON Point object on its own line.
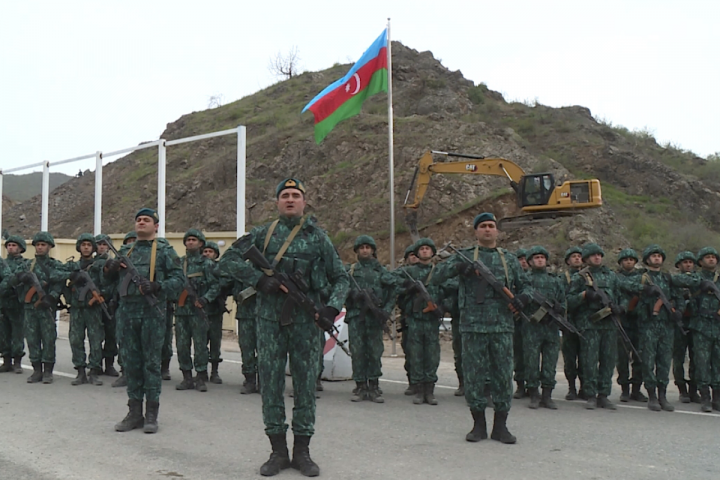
{"type": "Point", "coordinates": [408, 259]}
{"type": "Point", "coordinates": [683, 344]}
{"type": "Point", "coordinates": [141, 326]}
{"type": "Point", "coordinates": [450, 304]}
{"type": "Point", "coordinates": [85, 313]}
{"type": "Point", "coordinates": [293, 243]}
{"type": "Point", "coordinates": [518, 352]}
{"type": "Point", "coordinates": [487, 326]}
{"type": "Point", "coordinates": [365, 330]}
{"type": "Point", "coordinates": [215, 311]}
{"type": "Point", "coordinates": [423, 343]}
{"type": "Point", "coordinates": [541, 336]}
{"type": "Point", "coordinates": [627, 259]}
{"type": "Point", "coordinates": [110, 346]}
{"type": "Point", "coordinates": [39, 310]}
{"type": "Point", "coordinates": [191, 329]}
{"type": "Point", "coordinates": [598, 348]}
{"type": "Point", "coordinates": [571, 341]}
{"type": "Point", "coordinates": [12, 331]}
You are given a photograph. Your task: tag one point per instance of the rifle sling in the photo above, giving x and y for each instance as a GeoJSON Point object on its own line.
{"type": "Point", "coordinates": [153, 258]}
{"type": "Point", "coordinates": [287, 243]}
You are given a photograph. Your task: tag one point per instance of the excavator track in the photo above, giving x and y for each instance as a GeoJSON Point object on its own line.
{"type": "Point", "coordinates": [534, 219]}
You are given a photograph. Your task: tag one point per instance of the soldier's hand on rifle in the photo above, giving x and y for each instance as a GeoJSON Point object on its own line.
{"type": "Point", "coordinates": [24, 277]}
{"type": "Point", "coordinates": [617, 309]}
{"type": "Point", "coordinates": [112, 265]}
{"type": "Point", "coordinates": [325, 318]}
{"type": "Point", "coordinates": [48, 301]}
{"type": "Point", "coordinates": [559, 308]}
{"type": "Point", "coordinates": [354, 295]}
{"type": "Point", "coordinates": [410, 287]}
{"type": "Point", "coordinates": [707, 286]}
{"type": "Point", "coordinates": [78, 279]}
{"type": "Point", "coordinates": [591, 295]}
{"type": "Point", "coordinates": [201, 302]}
{"type": "Point", "coordinates": [268, 285]}
{"type": "Point", "coordinates": [147, 287]}
{"type": "Point", "coordinates": [651, 290]}
{"type": "Point", "coordinates": [465, 269]}
{"type": "Point", "coordinates": [519, 302]}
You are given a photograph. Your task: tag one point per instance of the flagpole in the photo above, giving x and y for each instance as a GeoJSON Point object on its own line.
{"type": "Point", "coordinates": [391, 161]}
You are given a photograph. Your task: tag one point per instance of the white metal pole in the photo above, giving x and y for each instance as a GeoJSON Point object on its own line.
{"type": "Point", "coordinates": [391, 161]}
{"type": "Point", "coordinates": [161, 187]}
{"type": "Point", "coordinates": [98, 193]}
{"type": "Point", "coordinates": [45, 197]}
{"type": "Point", "coordinates": [1, 191]}
{"type": "Point", "coordinates": [241, 164]}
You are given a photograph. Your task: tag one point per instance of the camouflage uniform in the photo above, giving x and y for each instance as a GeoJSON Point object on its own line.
{"type": "Point", "coordinates": [215, 311]}
{"type": "Point", "coordinates": [401, 303]}
{"type": "Point", "coordinates": [630, 323]}
{"type": "Point", "coordinates": [110, 344]}
{"type": "Point", "coordinates": [518, 351]}
{"type": "Point", "coordinates": [12, 331]}
{"type": "Point", "coordinates": [683, 344]}
{"type": "Point", "coordinates": [450, 304]}
{"type": "Point", "coordinates": [570, 344]}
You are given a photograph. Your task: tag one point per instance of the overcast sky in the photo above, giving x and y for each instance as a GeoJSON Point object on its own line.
{"type": "Point", "coordinates": [81, 76]}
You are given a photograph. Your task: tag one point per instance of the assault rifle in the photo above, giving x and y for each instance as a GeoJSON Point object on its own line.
{"type": "Point", "coordinates": [132, 275]}
{"type": "Point", "coordinates": [663, 302]}
{"type": "Point", "coordinates": [550, 309]}
{"type": "Point", "coordinates": [430, 305]}
{"type": "Point", "coordinates": [369, 302]}
{"type": "Point", "coordinates": [36, 287]}
{"type": "Point", "coordinates": [88, 286]}
{"type": "Point", "coordinates": [190, 293]}
{"type": "Point", "coordinates": [294, 286]}
{"type": "Point", "coordinates": [487, 276]}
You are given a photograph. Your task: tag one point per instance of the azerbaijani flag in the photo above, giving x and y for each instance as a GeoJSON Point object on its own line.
{"type": "Point", "coordinates": [344, 98]}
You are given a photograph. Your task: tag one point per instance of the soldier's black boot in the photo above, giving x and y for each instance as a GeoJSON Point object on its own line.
{"type": "Point", "coordinates": [705, 405]}
{"type": "Point", "coordinates": [604, 402]}
{"type": "Point", "coordinates": [419, 394]}
{"type": "Point", "coordinates": [520, 392]}
{"type": "Point", "coordinates": [653, 402]}
{"type": "Point", "coordinates": [37, 373]}
{"type": "Point", "coordinates": [591, 403]}
{"type": "Point", "coordinates": [134, 419]}
{"type": "Point", "coordinates": [430, 394]}
{"type": "Point", "coordinates": [460, 392]}
{"type": "Point", "coordinates": [715, 399]}
{"type": "Point", "coordinates": [637, 393]}
{"type": "Point", "coordinates": [359, 392]}
{"type": "Point", "coordinates": [110, 367]}
{"type": "Point", "coordinates": [17, 365]}
{"type": "Point", "coordinates": [249, 385]}
{"type": "Point", "coordinates": [200, 381]}
{"type": "Point", "coordinates": [534, 398]}
{"type": "Point", "coordinates": [693, 393]}
{"type": "Point", "coordinates": [47, 377]}
{"type": "Point", "coordinates": [151, 417]}
{"type": "Point", "coordinates": [410, 390]}
{"type": "Point", "coordinates": [572, 391]}
{"type": "Point", "coordinates": [214, 375]}
{"type": "Point", "coordinates": [625, 394]}
{"type": "Point", "coordinates": [94, 377]}
{"type": "Point", "coordinates": [7, 365]}
{"type": "Point", "coordinates": [279, 458]}
{"type": "Point", "coordinates": [165, 369]}
{"type": "Point", "coordinates": [374, 392]}
{"type": "Point", "coordinates": [500, 431]}
{"type": "Point", "coordinates": [683, 396]}
{"type": "Point", "coordinates": [479, 430]}
{"type": "Point", "coordinates": [80, 378]}
{"type": "Point", "coordinates": [121, 380]}
{"type": "Point", "coordinates": [301, 457]}
{"type": "Point", "coordinates": [546, 400]}
{"type": "Point", "coordinates": [187, 382]}
{"type": "Point", "coordinates": [662, 398]}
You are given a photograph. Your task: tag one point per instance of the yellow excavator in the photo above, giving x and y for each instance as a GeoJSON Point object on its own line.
{"type": "Point", "coordinates": [538, 197]}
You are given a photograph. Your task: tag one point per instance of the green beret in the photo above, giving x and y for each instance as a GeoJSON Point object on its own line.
{"type": "Point", "coordinates": [686, 255]}
{"type": "Point", "coordinates": [44, 237]}
{"type": "Point", "coordinates": [650, 249]}
{"type": "Point", "coordinates": [707, 251]}
{"type": "Point", "coordinates": [572, 250]}
{"type": "Point", "coordinates": [364, 240]}
{"type": "Point", "coordinates": [149, 212]}
{"type": "Point", "coordinates": [424, 242]}
{"type": "Point", "coordinates": [538, 250]}
{"type": "Point", "coordinates": [289, 183]}
{"type": "Point", "coordinates": [484, 217]}
{"type": "Point", "coordinates": [627, 253]}
{"type": "Point", "coordinates": [409, 250]}
{"type": "Point", "coordinates": [521, 253]}
{"type": "Point", "coordinates": [214, 246]}
{"type": "Point", "coordinates": [591, 249]}
{"type": "Point", "coordinates": [129, 236]}
{"type": "Point", "coordinates": [193, 232]}
{"type": "Point", "coordinates": [17, 239]}
{"type": "Point", "coordinates": [85, 237]}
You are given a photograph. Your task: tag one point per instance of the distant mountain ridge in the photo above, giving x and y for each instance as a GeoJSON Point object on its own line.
{"type": "Point", "coordinates": [20, 188]}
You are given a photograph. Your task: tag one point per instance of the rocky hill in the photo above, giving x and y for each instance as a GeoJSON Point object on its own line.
{"type": "Point", "coordinates": [651, 192]}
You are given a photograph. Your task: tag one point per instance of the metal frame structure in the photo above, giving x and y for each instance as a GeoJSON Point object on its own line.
{"type": "Point", "coordinates": [162, 145]}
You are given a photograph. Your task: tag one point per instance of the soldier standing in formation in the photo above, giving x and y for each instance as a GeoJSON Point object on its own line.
{"type": "Point", "coordinates": [110, 347]}
{"type": "Point", "coordinates": [518, 351]}
{"type": "Point", "coordinates": [683, 343]}
{"type": "Point", "coordinates": [12, 330]}
{"type": "Point", "coordinates": [215, 311]}
{"type": "Point", "coordinates": [571, 341]}
{"type": "Point", "coordinates": [409, 259]}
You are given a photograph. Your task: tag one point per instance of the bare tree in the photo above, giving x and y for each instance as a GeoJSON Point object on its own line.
{"type": "Point", "coordinates": [216, 100]}
{"type": "Point", "coordinates": [285, 65]}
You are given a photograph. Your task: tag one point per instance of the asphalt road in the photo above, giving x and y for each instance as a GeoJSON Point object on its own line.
{"type": "Point", "coordinates": [63, 432]}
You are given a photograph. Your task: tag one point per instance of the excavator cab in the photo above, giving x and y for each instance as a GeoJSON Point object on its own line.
{"type": "Point", "coordinates": [535, 189]}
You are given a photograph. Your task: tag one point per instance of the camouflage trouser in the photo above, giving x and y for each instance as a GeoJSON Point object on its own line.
{"type": "Point", "coordinates": [681, 345]}
{"type": "Point", "coordinates": [623, 360]}
{"type": "Point", "coordinates": [656, 343]}
{"type": "Point", "coordinates": [167, 350]}
{"type": "Point", "coordinates": [366, 347]}
{"type": "Point", "coordinates": [141, 331]}
{"type": "Point", "coordinates": [110, 345]}
{"type": "Point", "coordinates": [571, 357]}
{"type": "Point", "coordinates": [274, 344]}
{"type": "Point", "coordinates": [215, 336]}
{"type": "Point", "coordinates": [488, 356]}
{"type": "Point", "coordinates": [707, 360]}
{"type": "Point", "coordinates": [518, 355]}
{"type": "Point", "coordinates": [457, 344]}
{"type": "Point", "coordinates": [540, 340]}
{"type": "Point", "coordinates": [88, 319]}
{"type": "Point", "coordinates": [423, 348]}
{"type": "Point", "coordinates": [12, 333]}
{"type": "Point", "coordinates": [41, 334]}
{"type": "Point", "coordinates": [598, 355]}
{"type": "Point", "coordinates": [248, 341]}
{"type": "Point", "coordinates": [191, 330]}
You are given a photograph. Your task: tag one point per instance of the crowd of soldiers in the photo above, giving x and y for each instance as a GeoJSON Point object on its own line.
{"type": "Point", "coordinates": [510, 316]}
